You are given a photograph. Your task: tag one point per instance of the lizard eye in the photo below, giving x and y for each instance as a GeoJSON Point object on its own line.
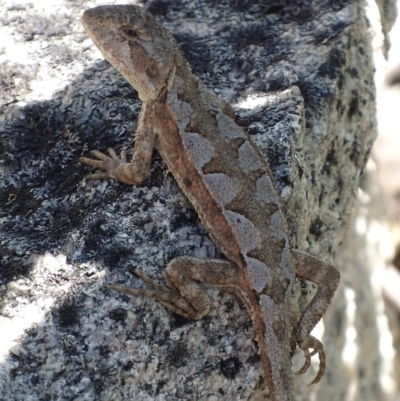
{"type": "Point", "coordinates": [131, 32]}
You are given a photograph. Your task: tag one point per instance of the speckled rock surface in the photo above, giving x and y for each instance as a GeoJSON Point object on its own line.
{"type": "Point", "coordinates": [301, 79]}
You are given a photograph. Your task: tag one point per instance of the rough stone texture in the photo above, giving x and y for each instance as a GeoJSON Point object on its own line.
{"type": "Point", "coordinates": [301, 79]}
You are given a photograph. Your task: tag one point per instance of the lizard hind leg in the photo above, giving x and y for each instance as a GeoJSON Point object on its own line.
{"type": "Point", "coordinates": [318, 348]}
{"type": "Point", "coordinates": [184, 295]}
{"type": "Point", "coordinates": [326, 276]}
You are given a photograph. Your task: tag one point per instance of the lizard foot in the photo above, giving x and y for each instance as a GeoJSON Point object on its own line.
{"type": "Point", "coordinates": [183, 294]}
{"type": "Point", "coordinates": [318, 348]}
{"type": "Point", "coordinates": [115, 167]}
{"type": "Point", "coordinates": [107, 163]}
{"type": "Point", "coordinates": [169, 298]}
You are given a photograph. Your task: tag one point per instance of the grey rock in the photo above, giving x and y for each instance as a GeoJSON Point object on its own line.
{"type": "Point", "coordinates": [300, 76]}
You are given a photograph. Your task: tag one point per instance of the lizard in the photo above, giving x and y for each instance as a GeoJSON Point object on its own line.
{"type": "Point", "coordinates": [228, 182]}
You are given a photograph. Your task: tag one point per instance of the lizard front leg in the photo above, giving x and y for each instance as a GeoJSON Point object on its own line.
{"type": "Point", "coordinates": [117, 168]}
{"type": "Point", "coordinates": [184, 296]}
{"type": "Point", "coordinates": [327, 277]}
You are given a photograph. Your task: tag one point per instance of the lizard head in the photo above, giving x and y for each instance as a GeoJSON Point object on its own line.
{"type": "Point", "coordinates": [133, 41]}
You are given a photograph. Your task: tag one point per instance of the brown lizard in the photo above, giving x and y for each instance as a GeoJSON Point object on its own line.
{"type": "Point", "coordinates": [228, 182]}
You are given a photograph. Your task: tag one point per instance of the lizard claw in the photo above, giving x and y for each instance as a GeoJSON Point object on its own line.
{"type": "Point", "coordinates": [106, 163]}
{"type": "Point", "coordinates": [171, 299]}
{"type": "Point", "coordinates": [306, 365]}
{"type": "Point", "coordinates": [317, 348]}
{"type": "Point", "coordinates": [116, 167]}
